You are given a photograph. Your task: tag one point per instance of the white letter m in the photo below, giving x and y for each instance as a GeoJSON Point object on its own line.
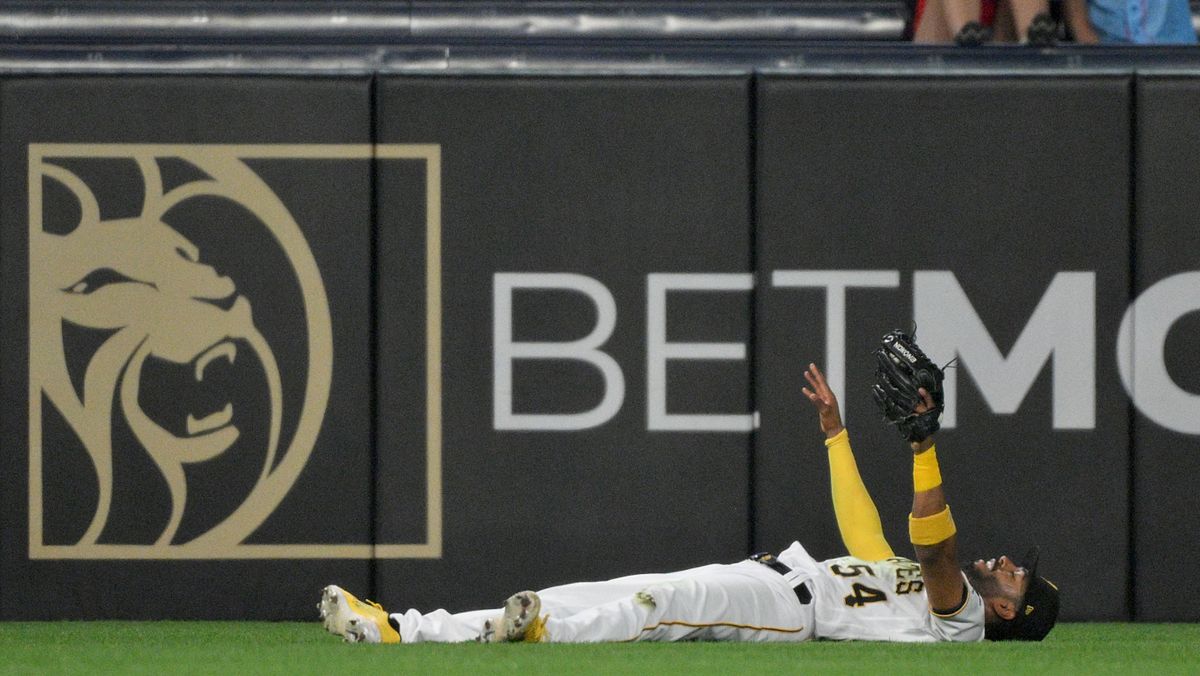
{"type": "Point", "coordinates": [1063, 326]}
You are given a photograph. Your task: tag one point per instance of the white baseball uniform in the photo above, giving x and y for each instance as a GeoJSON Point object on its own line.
{"type": "Point", "coordinates": [745, 601]}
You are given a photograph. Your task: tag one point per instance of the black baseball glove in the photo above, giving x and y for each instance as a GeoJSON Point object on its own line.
{"type": "Point", "coordinates": [901, 369]}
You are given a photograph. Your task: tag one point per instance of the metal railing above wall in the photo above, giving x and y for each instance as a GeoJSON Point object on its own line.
{"type": "Point", "coordinates": [484, 36]}
{"type": "Point", "coordinates": [393, 22]}
{"type": "Point", "coordinates": [626, 60]}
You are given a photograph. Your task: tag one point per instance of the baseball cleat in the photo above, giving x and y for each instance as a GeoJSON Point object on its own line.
{"type": "Point", "coordinates": [355, 621]}
{"type": "Point", "coordinates": [521, 611]}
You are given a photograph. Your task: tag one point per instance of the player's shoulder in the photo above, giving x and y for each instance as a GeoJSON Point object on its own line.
{"type": "Point", "coordinates": [962, 623]}
{"type": "Point", "coordinates": [970, 599]}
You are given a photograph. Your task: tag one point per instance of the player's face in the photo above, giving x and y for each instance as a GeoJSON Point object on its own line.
{"type": "Point", "coordinates": [1007, 576]}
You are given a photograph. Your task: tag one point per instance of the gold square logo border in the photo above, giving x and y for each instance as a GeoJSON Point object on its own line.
{"type": "Point", "coordinates": [432, 547]}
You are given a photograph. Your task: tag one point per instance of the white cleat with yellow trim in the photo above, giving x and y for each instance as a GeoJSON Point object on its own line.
{"type": "Point", "coordinates": [355, 621]}
{"type": "Point", "coordinates": [521, 620]}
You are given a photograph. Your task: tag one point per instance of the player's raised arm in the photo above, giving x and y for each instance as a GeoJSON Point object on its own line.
{"type": "Point", "coordinates": [908, 389]}
{"type": "Point", "coordinates": [857, 516]}
{"type": "Point", "coordinates": [931, 527]}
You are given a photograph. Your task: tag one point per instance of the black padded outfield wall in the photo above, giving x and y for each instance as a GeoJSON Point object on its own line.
{"type": "Point", "coordinates": [960, 205]}
{"type": "Point", "coordinates": [1162, 338]}
{"type": "Point", "coordinates": [186, 360]}
{"type": "Point", "coordinates": [574, 213]}
{"type": "Point", "coordinates": [441, 338]}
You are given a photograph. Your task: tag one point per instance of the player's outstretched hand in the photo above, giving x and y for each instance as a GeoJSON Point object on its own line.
{"type": "Point", "coordinates": [821, 396]}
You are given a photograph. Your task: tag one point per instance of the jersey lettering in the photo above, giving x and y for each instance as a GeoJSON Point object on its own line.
{"type": "Point", "coordinates": [908, 578]}
{"type": "Point", "coordinates": [863, 595]}
{"type": "Point", "coordinates": [853, 570]}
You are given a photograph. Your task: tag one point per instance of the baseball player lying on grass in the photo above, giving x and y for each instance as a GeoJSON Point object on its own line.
{"type": "Point", "coordinates": [872, 594]}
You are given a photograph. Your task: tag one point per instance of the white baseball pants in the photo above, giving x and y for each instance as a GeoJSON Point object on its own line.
{"type": "Point", "coordinates": [744, 601]}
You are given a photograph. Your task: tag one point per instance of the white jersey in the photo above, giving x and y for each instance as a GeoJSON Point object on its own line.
{"type": "Point", "coordinates": [880, 601]}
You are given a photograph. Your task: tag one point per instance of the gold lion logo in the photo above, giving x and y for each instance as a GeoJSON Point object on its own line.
{"type": "Point", "coordinates": [160, 304]}
{"type": "Point", "coordinates": [146, 285]}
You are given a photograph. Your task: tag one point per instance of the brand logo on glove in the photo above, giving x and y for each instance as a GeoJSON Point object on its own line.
{"type": "Point", "coordinates": [904, 351]}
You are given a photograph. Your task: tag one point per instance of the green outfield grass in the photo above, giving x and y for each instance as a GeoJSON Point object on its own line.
{"type": "Point", "coordinates": [286, 647]}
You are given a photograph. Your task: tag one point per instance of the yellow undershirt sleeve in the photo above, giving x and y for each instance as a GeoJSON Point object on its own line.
{"type": "Point", "coordinates": [857, 517]}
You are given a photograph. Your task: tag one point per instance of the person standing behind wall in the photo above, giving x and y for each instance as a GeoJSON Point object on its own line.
{"type": "Point", "coordinates": [1130, 22]}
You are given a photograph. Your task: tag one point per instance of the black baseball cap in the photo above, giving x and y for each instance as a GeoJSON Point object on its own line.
{"type": "Point", "coordinates": [1037, 611]}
